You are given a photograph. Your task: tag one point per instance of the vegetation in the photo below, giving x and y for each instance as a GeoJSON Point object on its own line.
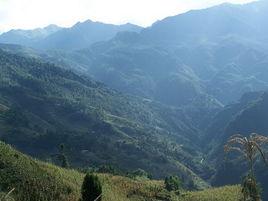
{"type": "Point", "coordinates": [91, 188]}
{"type": "Point", "coordinates": [6, 196]}
{"type": "Point", "coordinates": [227, 193]}
{"type": "Point", "coordinates": [62, 157]}
{"type": "Point", "coordinates": [182, 80]}
{"type": "Point", "coordinates": [34, 180]}
{"type": "Point", "coordinates": [250, 148]}
{"type": "Point", "coordinates": [173, 183]}
{"type": "Point", "coordinates": [44, 106]}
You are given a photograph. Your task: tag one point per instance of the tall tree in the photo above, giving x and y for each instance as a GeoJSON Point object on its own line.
{"type": "Point", "coordinates": [250, 148]}
{"type": "Point", "coordinates": [62, 157]}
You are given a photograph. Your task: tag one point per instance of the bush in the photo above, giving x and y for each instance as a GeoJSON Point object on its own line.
{"type": "Point", "coordinates": [172, 183]}
{"type": "Point", "coordinates": [139, 173]}
{"type": "Point", "coordinates": [109, 169]}
{"type": "Point", "coordinates": [91, 188]}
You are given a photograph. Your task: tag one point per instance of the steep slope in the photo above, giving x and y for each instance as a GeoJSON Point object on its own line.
{"type": "Point", "coordinates": [248, 116]}
{"type": "Point", "coordinates": [34, 180]}
{"type": "Point", "coordinates": [129, 65]}
{"type": "Point", "coordinates": [225, 46]}
{"type": "Point", "coordinates": [44, 105]}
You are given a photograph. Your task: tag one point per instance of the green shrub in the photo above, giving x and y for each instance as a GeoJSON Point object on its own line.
{"type": "Point", "coordinates": [172, 183]}
{"type": "Point", "coordinates": [91, 188]}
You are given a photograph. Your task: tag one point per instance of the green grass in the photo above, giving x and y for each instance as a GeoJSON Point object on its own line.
{"type": "Point", "coordinates": [34, 180]}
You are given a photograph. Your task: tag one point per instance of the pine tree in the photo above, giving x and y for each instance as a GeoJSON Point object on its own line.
{"type": "Point", "coordinates": [91, 188]}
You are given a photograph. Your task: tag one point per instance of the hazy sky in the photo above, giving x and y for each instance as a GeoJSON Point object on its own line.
{"type": "Point", "coordinates": [39, 13]}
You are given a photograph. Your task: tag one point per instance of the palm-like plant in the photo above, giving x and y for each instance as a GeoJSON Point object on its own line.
{"type": "Point", "coordinates": [250, 147]}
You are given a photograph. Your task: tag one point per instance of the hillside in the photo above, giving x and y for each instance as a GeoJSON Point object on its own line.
{"type": "Point", "coordinates": [247, 116]}
{"type": "Point", "coordinates": [34, 180]}
{"type": "Point", "coordinates": [44, 106]}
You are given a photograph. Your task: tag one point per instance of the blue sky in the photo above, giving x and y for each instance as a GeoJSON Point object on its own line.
{"type": "Point", "coordinates": [27, 14]}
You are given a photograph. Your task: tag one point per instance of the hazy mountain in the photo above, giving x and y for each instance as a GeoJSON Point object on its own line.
{"type": "Point", "coordinates": [27, 37]}
{"type": "Point", "coordinates": [219, 51]}
{"type": "Point", "coordinates": [81, 35]}
{"type": "Point", "coordinates": [212, 24]}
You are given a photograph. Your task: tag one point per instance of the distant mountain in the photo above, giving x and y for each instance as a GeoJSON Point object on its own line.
{"type": "Point", "coordinates": [220, 52]}
{"type": "Point", "coordinates": [84, 34]}
{"type": "Point", "coordinates": [81, 35]}
{"type": "Point", "coordinates": [27, 37]}
{"type": "Point", "coordinates": [212, 24]}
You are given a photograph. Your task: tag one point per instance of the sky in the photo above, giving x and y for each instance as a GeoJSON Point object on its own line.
{"type": "Point", "coordinates": [29, 14]}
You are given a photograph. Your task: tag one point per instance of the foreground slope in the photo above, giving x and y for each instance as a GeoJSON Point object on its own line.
{"type": "Point", "coordinates": [34, 180]}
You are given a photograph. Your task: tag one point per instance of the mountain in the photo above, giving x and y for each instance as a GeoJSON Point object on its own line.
{"type": "Point", "coordinates": [212, 24]}
{"type": "Point", "coordinates": [81, 35]}
{"type": "Point", "coordinates": [27, 37]}
{"type": "Point", "coordinates": [170, 98]}
{"type": "Point", "coordinates": [219, 52]}
{"type": "Point", "coordinates": [43, 106]}
{"type": "Point", "coordinates": [84, 34]}
{"type": "Point", "coordinates": [179, 59]}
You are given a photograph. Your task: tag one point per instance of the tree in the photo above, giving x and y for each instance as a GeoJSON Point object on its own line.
{"type": "Point", "coordinates": [62, 157]}
{"type": "Point", "coordinates": [250, 148]}
{"type": "Point", "coordinates": [91, 188]}
{"type": "Point", "coordinates": [172, 183]}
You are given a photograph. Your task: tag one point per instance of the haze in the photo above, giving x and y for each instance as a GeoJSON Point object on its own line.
{"type": "Point", "coordinates": [27, 14]}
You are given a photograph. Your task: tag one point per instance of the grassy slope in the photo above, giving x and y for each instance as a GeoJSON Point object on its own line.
{"type": "Point", "coordinates": [35, 180]}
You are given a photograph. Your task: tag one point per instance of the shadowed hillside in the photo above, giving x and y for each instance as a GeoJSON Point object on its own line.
{"type": "Point", "coordinates": [44, 106]}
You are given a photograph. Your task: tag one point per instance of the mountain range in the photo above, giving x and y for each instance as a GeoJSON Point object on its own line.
{"type": "Point", "coordinates": [80, 35]}
{"type": "Point", "coordinates": [163, 98]}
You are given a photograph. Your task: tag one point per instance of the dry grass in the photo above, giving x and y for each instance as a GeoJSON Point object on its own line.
{"type": "Point", "coordinates": [39, 181]}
